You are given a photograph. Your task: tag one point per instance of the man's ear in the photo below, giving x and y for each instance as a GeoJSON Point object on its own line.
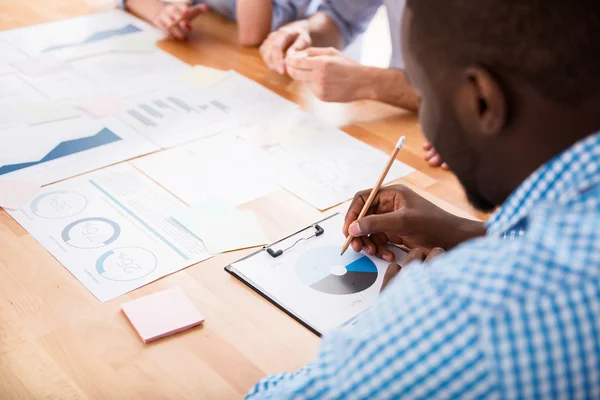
{"type": "Point", "coordinates": [482, 102]}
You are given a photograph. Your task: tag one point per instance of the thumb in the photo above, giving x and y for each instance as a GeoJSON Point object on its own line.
{"type": "Point", "coordinates": [373, 224]}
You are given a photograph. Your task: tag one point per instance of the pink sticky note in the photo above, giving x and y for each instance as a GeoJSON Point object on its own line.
{"type": "Point", "coordinates": [39, 66]}
{"type": "Point", "coordinates": [15, 193]}
{"type": "Point", "coordinates": [102, 107]}
{"type": "Point", "coordinates": [162, 314]}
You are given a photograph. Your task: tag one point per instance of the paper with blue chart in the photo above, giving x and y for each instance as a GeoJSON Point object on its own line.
{"type": "Point", "coordinates": [112, 229]}
{"type": "Point", "coordinates": [78, 37]}
{"type": "Point", "coordinates": [312, 281]}
{"type": "Point", "coordinates": [58, 150]}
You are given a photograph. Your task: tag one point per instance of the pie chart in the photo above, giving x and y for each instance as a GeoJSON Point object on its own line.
{"type": "Point", "coordinates": [324, 270]}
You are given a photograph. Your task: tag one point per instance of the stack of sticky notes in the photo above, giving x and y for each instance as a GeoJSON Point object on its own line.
{"type": "Point", "coordinates": [162, 314]}
{"type": "Point", "coordinates": [222, 227]}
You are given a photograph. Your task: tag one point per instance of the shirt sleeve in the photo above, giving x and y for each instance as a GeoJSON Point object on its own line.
{"type": "Point", "coordinates": [352, 17]}
{"type": "Point", "coordinates": [414, 343]}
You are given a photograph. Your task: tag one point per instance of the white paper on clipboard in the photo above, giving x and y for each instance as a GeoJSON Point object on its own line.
{"type": "Point", "coordinates": [311, 281]}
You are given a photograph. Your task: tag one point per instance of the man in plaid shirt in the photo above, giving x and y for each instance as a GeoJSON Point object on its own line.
{"type": "Point", "coordinates": [510, 97]}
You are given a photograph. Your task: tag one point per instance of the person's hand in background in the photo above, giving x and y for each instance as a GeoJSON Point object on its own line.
{"type": "Point", "coordinates": [329, 74]}
{"type": "Point", "coordinates": [175, 19]}
{"type": "Point", "coordinates": [433, 158]}
{"type": "Point", "coordinates": [284, 41]}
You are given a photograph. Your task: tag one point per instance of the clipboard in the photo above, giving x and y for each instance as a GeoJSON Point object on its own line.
{"type": "Point", "coordinates": [274, 251]}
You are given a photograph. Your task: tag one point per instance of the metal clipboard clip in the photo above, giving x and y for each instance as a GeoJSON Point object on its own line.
{"type": "Point", "coordinates": [276, 253]}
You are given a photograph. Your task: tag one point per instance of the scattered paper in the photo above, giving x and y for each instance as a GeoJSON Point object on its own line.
{"type": "Point", "coordinates": [39, 66]}
{"type": "Point", "coordinates": [133, 44]}
{"type": "Point", "coordinates": [162, 314]}
{"type": "Point", "coordinates": [47, 111]}
{"type": "Point", "coordinates": [227, 232]}
{"type": "Point", "coordinates": [15, 193]}
{"type": "Point", "coordinates": [202, 75]}
{"type": "Point", "coordinates": [209, 207]}
{"type": "Point", "coordinates": [103, 106]}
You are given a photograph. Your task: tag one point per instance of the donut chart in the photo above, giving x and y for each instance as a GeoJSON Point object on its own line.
{"type": "Point", "coordinates": [324, 270]}
{"type": "Point", "coordinates": [58, 204]}
{"type": "Point", "coordinates": [90, 233]}
{"type": "Point", "coordinates": [126, 263]}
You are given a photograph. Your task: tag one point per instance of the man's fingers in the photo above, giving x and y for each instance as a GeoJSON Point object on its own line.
{"type": "Point", "coordinates": [368, 246]}
{"type": "Point", "coordinates": [391, 272]}
{"type": "Point", "coordinates": [175, 11]}
{"type": "Point", "coordinates": [434, 253]}
{"type": "Point", "coordinates": [321, 51]}
{"type": "Point", "coordinates": [373, 224]}
{"type": "Point", "coordinates": [300, 44]}
{"type": "Point", "coordinates": [413, 255]}
{"type": "Point", "coordinates": [380, 240]}
{"type": "Point", "coordinates": [356, 245]}
{"type": "Point", "coordinates": [178, 33]}
{"type": "Point", "coordinates": [427, 146]}
{"type": "Point", "coordinates": [280, 45]}
{"type": "Point", "coordinates": [299, 60]}
{"type": "Point", "coordinates": [195, 11]}
{"type": "Point", "coordinates": [354, 210]}
{"type": "Point", "coordinates": [299, 74]}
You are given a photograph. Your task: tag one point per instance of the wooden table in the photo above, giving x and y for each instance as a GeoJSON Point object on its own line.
{"type": "Point", "coordinates": [58, 341]}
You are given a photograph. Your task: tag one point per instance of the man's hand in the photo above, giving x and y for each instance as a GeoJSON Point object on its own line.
{"type": "Point", "coordinates": [330, 75]}
{"type": "Point", "coordinates": [174, 19]}
{"type": "Point", "coordinates": [414, 255]}
{"type": "Point", "coordinates": [433, 158]}
{"type": "Point", "coordinates": [399, 215]}
{"type": "Point", "coordinates": [284, 41]}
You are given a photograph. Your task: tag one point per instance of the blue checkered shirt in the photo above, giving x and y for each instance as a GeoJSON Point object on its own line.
{"type": "Point", "coordinates": [493, 318]}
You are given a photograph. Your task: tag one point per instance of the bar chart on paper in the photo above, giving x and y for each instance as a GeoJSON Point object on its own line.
{"type": "Point", "coordinates": [172, 119]}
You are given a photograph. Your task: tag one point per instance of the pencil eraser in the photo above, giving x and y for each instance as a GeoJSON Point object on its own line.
{"type": "Point", "coordinates": [162, 314]}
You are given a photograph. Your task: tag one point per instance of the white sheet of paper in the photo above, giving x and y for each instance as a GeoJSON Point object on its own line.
{"type": "Point", "coordinates": [202, 75]}
{"type": "Point", "coordinates": [77, 37]}
{"type": "Point", "coordinates": [224, 165]}
{"type": "Point", "coordinates": [112, 74]}
{"type": "Point", "coordinates": [323, 165]}
{"type": "Point", "coordinates": [111, 229]}
{"type": "Point", "coordinates": [314, 282]}
{"type": "Point", "coordinates": [133, 44]}
{"type": "Point", "coordinates": [102, 106]}
{"type": "Point", "coordinates": [170, 117]}
{"type": "Point", "coordinates": [209, 207]}
{"type": "Point", "coordinates": [14, 193]}
{"type": "Point", "coordinates": [50, 152]}
{"type": "Point", "coordinates": [48, 111]}
{"type": "Point", "coordinates": [15, 91]}
{"type": "Point", "coordinates": [39, 66]}
{"type": "Point", "coordinates": [227, 232]}
{"type": "Point", "coordinates": [8, 54]}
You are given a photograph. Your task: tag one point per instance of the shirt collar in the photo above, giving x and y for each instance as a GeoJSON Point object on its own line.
{"type": "Point", "coordinates": [560, 180]}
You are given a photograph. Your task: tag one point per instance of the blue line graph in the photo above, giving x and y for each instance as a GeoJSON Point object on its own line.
{"type": "Point", "coordinates": [97, 37]}
{"type": "Point", "coordinates": [64, 149]}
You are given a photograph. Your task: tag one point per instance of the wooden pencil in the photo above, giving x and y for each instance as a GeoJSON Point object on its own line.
{"type": "Point", "coordinates": [376, 188]}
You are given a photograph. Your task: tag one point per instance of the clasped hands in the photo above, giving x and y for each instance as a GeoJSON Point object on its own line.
{"type": "Point", "coordinates": [329, 74]}
{"type": "Point", "coordinates": [400, 216]}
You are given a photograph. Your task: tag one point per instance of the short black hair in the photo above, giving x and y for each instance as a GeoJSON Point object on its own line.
{"type": "Point", "coordinates": [553, 45]}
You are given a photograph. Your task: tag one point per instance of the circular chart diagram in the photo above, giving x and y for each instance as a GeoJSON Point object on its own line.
{"type": "Point", "coordinates": [59, 204]}
{"type": "Point", "coordinates": [126, 263]}
{"type": "Point", "coordinates": [90, 233]}
{"type": "Point", "coordinates": [324, 270]}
